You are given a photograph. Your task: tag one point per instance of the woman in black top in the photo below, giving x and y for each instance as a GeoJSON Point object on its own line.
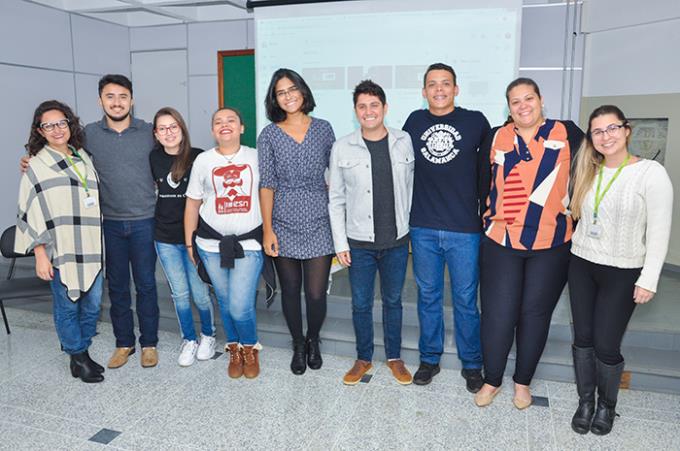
{"type": "Point", "coordinates": [171, 162]}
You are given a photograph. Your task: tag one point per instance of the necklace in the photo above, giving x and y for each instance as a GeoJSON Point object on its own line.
{"type": "Point", "coordinates": [231, 157]}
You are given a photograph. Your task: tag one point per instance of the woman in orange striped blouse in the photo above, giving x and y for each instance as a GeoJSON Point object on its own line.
{"type": "Point", "coordinates": [525, 254]}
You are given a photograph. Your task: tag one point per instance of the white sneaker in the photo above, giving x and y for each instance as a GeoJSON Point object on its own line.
{"type": "Point", "coordinates": [206, 350]}
{"type": "Point", "coordinates": [187, 353]}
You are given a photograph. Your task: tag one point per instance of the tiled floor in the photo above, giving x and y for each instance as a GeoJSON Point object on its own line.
{"type": "Point", "coordinates": [168, 407]}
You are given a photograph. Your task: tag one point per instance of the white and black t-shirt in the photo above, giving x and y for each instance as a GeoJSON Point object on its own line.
{"type": "Point", "coordinates": [228, 187]}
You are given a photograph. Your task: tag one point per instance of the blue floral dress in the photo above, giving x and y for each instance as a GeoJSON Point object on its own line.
{"type": "Point", "coordinates": [296, 173]}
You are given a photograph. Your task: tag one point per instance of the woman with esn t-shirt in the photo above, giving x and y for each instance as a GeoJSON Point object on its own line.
{"type": "Point", "coordinates": [171, 162]}
{"type": "Point", "coordinates": [224, 209]}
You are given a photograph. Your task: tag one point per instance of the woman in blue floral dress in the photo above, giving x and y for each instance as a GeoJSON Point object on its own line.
{"type": "Point", "coordinates": [293, 156]}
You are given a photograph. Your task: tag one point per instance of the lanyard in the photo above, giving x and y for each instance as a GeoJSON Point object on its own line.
{"type": "Point", "coordinates": [83, 180]}
{"type": "Point", "coordinates": [598, 196]}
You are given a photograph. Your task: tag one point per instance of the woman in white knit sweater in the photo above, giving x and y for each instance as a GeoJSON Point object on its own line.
{"type": "Point", "coordinates": [623, 205]}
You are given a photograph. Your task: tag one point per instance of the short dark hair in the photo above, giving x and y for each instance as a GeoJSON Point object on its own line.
{"type": "Point", "coordinates": [228, 108]}
{"type": "Point", "coordinates": [274, 111]}
{"type": "Point", "coordinates": [521, 81]}
{"type": "Point", "coordinates": [439, 66]}
{"type": "Point", "coordinates": [371, 88]}
{"type": "Point", "coordinates": [116, 79]}
{"type": "Point", "coordinates": [36, 141]}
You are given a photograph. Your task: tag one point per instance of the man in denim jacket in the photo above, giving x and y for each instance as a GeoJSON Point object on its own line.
{"type": "Point", "coordinates": [371, 183]}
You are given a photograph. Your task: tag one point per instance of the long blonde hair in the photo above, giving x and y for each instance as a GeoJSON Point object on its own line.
{"type": "Point", "coordinates": [588, 160]}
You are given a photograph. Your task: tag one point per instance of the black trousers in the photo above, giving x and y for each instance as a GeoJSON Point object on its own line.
{"type": "Point", "coordinates": [601, 306]}
{"type": "Point", "coordinates": [519, 290]}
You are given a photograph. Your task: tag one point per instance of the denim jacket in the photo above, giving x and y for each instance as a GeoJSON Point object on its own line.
{"type": "Point", "coordinates": [350, 187]}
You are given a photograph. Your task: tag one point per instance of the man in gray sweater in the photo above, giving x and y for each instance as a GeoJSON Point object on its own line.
{"type": "Point", "coordinates": [370, 187]}
{"type": "Point", "coordinates": [120, 146]}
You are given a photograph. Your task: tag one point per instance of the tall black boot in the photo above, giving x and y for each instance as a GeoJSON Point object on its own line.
{"type": "Point", "coordinates": [584, 368]}
{"type": "Point", "coordinates": [98, 367]}
{"type": "Point", "coordinates": [298, 365]}
{"type": "Point", "coordinates": [314, 360]}
{"type": "Point", "coordinates": [80, 367]}
{"type": "Point", "coordinates": [608, 381]}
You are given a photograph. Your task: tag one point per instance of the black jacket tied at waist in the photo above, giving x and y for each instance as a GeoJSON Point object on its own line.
{"type": "Point", "coordinates": [230, 250]}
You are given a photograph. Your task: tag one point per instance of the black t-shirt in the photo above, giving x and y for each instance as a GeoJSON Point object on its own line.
{"type": "Point", "coordinates": [384, 219]}
{"type": "Point", "coordinates": [171, 199]}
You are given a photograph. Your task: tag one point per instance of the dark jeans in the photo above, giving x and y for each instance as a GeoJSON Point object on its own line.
{"type": "Point", "coordinates": [601, 306]}
{"type": "Point", "coordinates": [130, 243]}
{"type": "Point", "coordinates": [519, 291]}
{"type": "Point", "coordinates": [76, 322]}
{"type": "Point", "coordinates": [391, 265]}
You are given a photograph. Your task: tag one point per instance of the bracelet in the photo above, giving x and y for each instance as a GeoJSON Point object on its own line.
{"type": "Point", "coordinates": [188, 245]}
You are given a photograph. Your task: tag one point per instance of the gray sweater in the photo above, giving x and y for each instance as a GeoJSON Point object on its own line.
{"type": "Point", "coordinates": [127, 190]}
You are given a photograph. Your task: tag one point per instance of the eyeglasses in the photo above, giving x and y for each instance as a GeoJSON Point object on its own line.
{"type": "Point", "coordinates": [173, 128]}
{"type": "Point", "coordinates": [286, 92]}
{"type": "Point", "coordinates": [611, 130]}
{"type": "Point", "coordinates": [49, 126]}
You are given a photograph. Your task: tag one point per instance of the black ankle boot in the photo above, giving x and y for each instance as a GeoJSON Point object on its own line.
{"type": "Point", "coordinates": [80, 367]}
{"type": "Point", "coordinates": [608, 381]}
{"type": "Point", "coordinates": [584, 368]}
{"type": "Point", "coordinates": [298, 364]}
{"type": "Point", "coordinates": [95, 365]}
{"type": "Point", "coordinates": [314, 360]}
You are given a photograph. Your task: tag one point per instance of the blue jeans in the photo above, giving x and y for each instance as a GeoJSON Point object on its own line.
{"type": "Point", "coordinates": [185, 284]}
{"type": "Point", "coordinates": [432, 249]}
{"type": "Point", "coordinates": [236, 292]}
{"type": "Point", "coordinates": [76, 322]}
{"type": "Point", "coordinates": [130, 243]}
{"type": "Point", "coordinates": [391, 264]}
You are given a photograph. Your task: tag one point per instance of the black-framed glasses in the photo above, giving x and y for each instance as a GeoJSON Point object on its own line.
{"type": "Point", "coordinates": [286, 92]}
{"type": "Point", "coordinates": [49, 126]}
{"type": "Point", "coordinates": [611, 130]}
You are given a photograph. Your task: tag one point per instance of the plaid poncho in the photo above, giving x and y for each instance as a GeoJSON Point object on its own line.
{"type": "Point", "coordinates": [52, 212]}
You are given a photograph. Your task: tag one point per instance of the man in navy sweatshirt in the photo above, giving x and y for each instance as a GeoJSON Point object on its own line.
{"type": "Point", "coordinates": [445, 222]}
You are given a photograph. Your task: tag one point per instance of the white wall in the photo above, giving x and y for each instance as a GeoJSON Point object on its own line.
{"type": "Point", "coordinates": [631, 47]}
{"type": "Point", "coordinates": [631, 61]}
{"type": "Point", "coordinates": [49, 54]}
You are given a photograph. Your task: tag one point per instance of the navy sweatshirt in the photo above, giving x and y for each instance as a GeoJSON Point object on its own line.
{"type": "Point", "coordinates": [445, 187]}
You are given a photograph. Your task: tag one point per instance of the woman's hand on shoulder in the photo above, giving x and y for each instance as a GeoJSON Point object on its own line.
{"type": "Point", "coordinates": [270, 243]}
{"type": "Point", "coordinates": [642, 296]}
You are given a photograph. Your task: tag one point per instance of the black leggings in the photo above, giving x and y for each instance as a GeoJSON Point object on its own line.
{"type": "Point", "coordinates": [519, 290]}
{"type": "Point", "coordinates": [601, 306]}
{"type": "Point", "coordinates": [315, 271]}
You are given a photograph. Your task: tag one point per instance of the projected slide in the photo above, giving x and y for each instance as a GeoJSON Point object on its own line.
{"type": "Point", "coordinates": [334, 52]}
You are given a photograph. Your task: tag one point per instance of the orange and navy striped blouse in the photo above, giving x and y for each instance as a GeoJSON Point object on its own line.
{"type": "Point", "coordinates": [529, 193]}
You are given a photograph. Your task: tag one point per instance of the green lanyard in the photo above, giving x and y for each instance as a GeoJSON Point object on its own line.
{"type": "Point", "coordinates": [598, 196]}
{"type": "Point", "coordinates": [83, 180]}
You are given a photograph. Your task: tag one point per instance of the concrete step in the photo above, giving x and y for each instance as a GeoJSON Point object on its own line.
{"type": "Point", "coordinates": [652, 358]}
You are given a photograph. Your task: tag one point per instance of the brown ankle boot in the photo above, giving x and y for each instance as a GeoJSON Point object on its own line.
{"type": "Point", "coordinates": [251, 361]}
{"type": "Point", "coordinates": [235, 369]}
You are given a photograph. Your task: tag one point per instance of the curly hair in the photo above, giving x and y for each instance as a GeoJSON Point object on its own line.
{"type": "Point", "coordinates": [36, 141]}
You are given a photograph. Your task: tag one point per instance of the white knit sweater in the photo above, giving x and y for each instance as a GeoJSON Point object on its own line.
{"type": "Point", "coordinates": [635, 216]}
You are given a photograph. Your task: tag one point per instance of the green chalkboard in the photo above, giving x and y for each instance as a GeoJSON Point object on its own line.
{"type": "Point", "coordinates": [236, 74]}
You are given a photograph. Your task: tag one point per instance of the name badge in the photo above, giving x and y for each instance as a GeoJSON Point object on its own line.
{"type": "Point", "coordinates": [89, 202]}
{"type": "Point", "coordinates": [595, 230]}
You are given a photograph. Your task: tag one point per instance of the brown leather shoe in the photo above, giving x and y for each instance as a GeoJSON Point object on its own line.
{"type": "Point", "coordinates": [354, 375]}
{"type": "Point", "coordinates": [235, 369]}
{"type": "Point", "coordinates": [400, 372]}
{"type": "Point", "coordinates": [149, 357]}
{"type": "Point", "coordinates": [120, 357]}
{"type": "Point", "coordinates": [251, 361]}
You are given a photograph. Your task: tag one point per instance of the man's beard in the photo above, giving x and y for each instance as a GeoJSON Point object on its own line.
{"type": "Point", "coordinates": [117, 118]}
